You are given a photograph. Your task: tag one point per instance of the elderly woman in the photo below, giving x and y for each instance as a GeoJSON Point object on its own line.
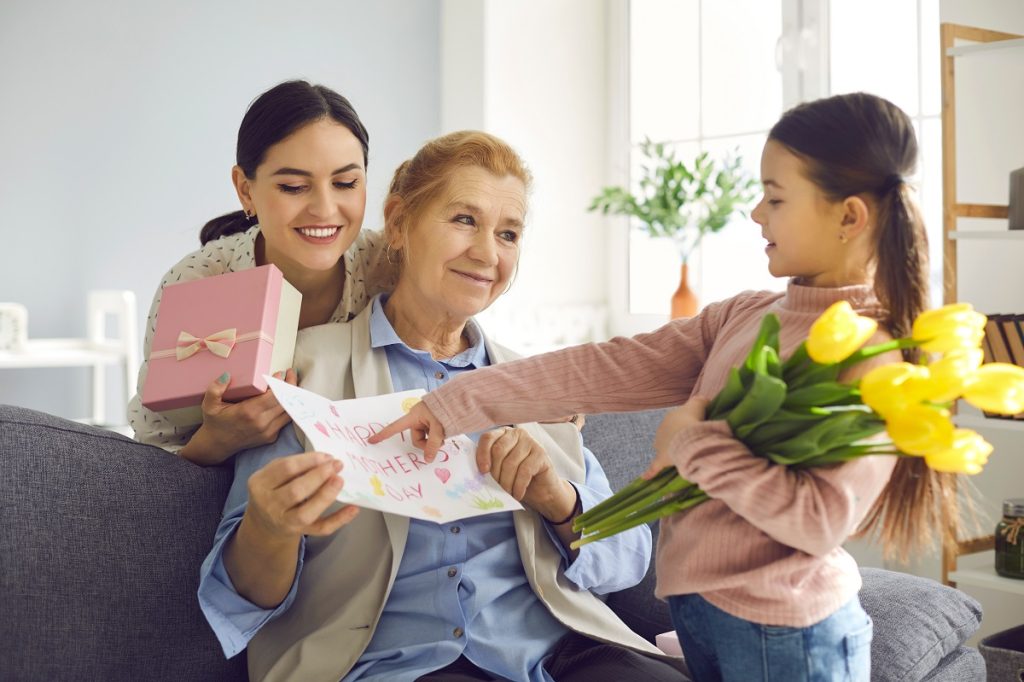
{"type": "Point", "coordinates": [364, 595]}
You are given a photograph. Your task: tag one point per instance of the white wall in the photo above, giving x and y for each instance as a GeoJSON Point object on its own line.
{"type": "Point", "coordinates": [534, 73]}
{"type": "Point", "coordinates": [990, 143]}
{"type": "Point", "coordinates": [118, 125]}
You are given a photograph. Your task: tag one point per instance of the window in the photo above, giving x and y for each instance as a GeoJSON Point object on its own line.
{"type": "Point", "coordinates": [714, 75]}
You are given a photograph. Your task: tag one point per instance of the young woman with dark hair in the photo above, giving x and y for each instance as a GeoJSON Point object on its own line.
{"type": "Point", "coordinates": [300, 176]}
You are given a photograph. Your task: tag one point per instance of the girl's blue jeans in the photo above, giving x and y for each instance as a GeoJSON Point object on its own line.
{"type": "Point", "coordinates": [718, 646]}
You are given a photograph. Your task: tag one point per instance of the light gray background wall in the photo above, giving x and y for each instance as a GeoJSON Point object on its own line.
{"type": "Point", "coordinates": [117, 132]}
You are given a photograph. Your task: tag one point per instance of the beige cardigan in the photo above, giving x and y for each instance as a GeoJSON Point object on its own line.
{"type": "Point", "coordinates": [346, 578]}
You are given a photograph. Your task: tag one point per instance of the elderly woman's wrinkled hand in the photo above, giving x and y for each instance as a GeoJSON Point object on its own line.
{"type": "Point", "coordinates": [521, 466]}
{"type": "Point", "coordinates": [288, 496]}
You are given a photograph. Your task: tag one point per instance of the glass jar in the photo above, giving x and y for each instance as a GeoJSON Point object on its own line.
{"type": "Point", "coordinates": [1010, 540]}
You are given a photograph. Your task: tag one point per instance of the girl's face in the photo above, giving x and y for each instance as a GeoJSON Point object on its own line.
{"type": "Point", "coordinates": [461, 251]}
{"type": "Point", "coordinates": [309, 196]}
{"type": "Point", "coordinates": [804, 230]}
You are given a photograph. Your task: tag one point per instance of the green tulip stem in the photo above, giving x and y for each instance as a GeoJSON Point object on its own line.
{"type": "Point", "coordinates": [667, 507]}
{"type": "Point", "coordinates": [620, 508]}
{"type": "Point", "coordinates": [878, 349]}
{"type": "Point", "coordinates": [629, 496]}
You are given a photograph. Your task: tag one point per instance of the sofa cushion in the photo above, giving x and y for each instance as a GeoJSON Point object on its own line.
{"type": "Point", "coordinates": [961, 665]}
{"type": "Point", "coordinates": [101, 539]}
{"type": "Point", "coordinates": [624, 444]}
{"type": "Point", "coordinates": [918, 623]}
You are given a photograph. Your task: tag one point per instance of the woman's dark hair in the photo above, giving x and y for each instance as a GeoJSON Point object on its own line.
{"type": "Point", "coordinates": [273, 116]}
{"type": "Point", "coordinates": [862, 145]}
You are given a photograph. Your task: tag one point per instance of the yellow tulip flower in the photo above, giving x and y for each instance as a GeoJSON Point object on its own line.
{"type": "Point", "coordinates": [952, 326]}
{"type": "Point", "coordinates": [952, 373]}
{"type": "Point", "coordinates": [997, 387]}
{"type": "Point", "coordinates": [893, 388]}
{"type": "Point", "coordinates": [920, 429]}
{"type": "Point", "coordinates": [968, 455]}
{"type": "Point", "coordinates": [838, 333]}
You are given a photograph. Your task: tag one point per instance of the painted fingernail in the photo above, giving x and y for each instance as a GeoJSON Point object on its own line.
{"type": "Point", "coordinates": [338, 466]}
{"type": "Point", "coordinates": [223, 378]}
{"type": "Point", "coordinates": [279, 375]}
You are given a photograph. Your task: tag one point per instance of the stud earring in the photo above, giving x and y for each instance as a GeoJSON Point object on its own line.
{"type": "Point", "coordinates": [248, 216]}
{"type": "Point", "coordinates": [842, 237]}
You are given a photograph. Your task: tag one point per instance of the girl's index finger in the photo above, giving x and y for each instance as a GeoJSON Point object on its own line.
{"type": "Point", "coordinates": [394, 428]}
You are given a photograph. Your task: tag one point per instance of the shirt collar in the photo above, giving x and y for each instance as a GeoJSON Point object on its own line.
{"type": "Point", "coordinates": [382, 334]}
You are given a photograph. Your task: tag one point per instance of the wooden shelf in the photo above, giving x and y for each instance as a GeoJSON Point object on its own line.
{"type": "Point", "coordinates": [964, 50]}
{"type": "Point", "coordinates": [993, 235]}
{"type": "Point", "coordinates": [986, 576]}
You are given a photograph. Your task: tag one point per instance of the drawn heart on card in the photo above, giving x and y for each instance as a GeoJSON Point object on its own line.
{"type": "Point", "coordinates": [322, 429]}
{"type": "Point", "coordinates": [442, 474]}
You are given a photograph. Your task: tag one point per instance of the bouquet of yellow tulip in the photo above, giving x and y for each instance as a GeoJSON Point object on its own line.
{"type": "Point", "coordinates": [797, 413]}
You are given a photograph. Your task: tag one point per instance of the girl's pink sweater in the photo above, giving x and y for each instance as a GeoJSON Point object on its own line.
{"type": "Point", "coordinates": [768, 546]}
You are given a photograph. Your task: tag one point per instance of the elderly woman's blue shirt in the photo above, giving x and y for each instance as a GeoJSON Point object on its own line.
{"type": "Point", "coordinates": [460, 588]}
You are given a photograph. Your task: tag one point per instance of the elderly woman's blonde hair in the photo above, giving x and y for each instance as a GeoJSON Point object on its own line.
{"type": "Point", "coordinates": [424, 177]}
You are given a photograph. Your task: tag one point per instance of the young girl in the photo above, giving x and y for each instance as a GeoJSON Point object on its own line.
{"type": "Point", "coordinates": [300, 177]}
{"type": "Point", "coordinates": [758, 583]}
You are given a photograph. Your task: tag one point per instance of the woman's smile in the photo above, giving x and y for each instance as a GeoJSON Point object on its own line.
{"type": "Point", "coordinates": [318, 234]}
{"type": "Point", "coordinates": [473, 278]}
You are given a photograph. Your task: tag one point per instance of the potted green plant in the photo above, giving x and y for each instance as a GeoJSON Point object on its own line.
{"type": "Point", "coordinates": [682, 202]}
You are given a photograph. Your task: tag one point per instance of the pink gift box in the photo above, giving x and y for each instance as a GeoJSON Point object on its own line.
{"type": "Point", "coordinates": [243, 323]}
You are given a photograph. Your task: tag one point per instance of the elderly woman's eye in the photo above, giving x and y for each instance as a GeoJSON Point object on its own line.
{"type": "Point", "coordinates": [510, 236]}
{"type": "Point", "coordinates": [465, 219]}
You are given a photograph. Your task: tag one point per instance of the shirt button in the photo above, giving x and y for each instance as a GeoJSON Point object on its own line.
{"type": "Point", "coordinates": [456, 530]}
{"type": "Point", "coordinates": [439, 375]}
{"type": "Point", "coordinates": [452, 572]}
{"type": "Point", "coordinates": [457, 632]}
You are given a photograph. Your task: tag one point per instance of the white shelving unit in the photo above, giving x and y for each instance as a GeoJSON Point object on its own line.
{"type": "Point", "coordinates": [986, 576]}
{"type": "Point", "coordinates": [96, 350]}
{"type": "Point", "coordinates": [970, 160]}
{"type": "Point", "coordinates": [988, 235]}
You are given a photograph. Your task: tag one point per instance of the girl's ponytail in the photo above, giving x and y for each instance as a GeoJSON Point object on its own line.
{"type": "Point", "coordinates": [919, 503]}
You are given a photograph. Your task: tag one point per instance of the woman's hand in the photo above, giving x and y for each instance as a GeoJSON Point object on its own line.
{"type": "Point", "coordinates": [426, 430]}
{"type": "Point", "coordinates": [522, 468]}
{"type": "Point", "coordinates": [286, 500]}
{"type": "Point", "coordinates": [288, 496]}
{"type": "Point", "coordinates": [689, 413]}
{"type": "Point", "coordinates": [230, 427]}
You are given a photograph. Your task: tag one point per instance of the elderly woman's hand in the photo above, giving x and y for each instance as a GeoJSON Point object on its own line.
{"type": "Point", "coordinates": [519, 464]}
{"type": "Point", "coordinates": [286, 500]}
{"type": "Point", "coordinates": [288, 496]}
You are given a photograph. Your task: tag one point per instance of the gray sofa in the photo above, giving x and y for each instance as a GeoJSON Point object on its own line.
{"type": "Point", "coordinates": [101, 539]}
